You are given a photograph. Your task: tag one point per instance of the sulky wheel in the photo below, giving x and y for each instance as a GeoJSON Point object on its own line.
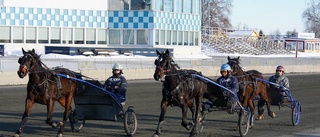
{"type": "Point", "coordinates": [296, 109]}
{"type": "Point", "coordinates": [244, 122]}
{"type": "Point", "coordinates": [75, 123]}
{"type": "Point", "coordinates": [130, 121]}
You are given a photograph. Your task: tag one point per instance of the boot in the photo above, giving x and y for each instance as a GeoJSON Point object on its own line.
{"type": "Point", "coordinates": [260, 117]}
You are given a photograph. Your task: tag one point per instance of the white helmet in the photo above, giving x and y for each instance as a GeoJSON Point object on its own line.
{"type": "Point", "coordinates": [117, 66]}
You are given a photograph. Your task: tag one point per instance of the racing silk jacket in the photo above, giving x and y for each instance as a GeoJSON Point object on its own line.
{"type": "Point", "coordinates": [282, 80]}
{"type": "Point", "coordinates": [117, 80]}
{"type": "Point", "coordinates": [230, 82]}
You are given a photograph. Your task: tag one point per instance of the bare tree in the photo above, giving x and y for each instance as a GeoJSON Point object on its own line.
{"type": "Point", "coordinates": [215, 13]}
{"type": "Point", "coordinates": [311, 17]}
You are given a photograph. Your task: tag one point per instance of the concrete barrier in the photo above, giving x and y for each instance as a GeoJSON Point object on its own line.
{"type": "Point", "coordinates": [11, 77]}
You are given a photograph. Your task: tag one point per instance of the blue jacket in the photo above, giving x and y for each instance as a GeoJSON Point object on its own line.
{"type": "Point", "coordinates": [230, 82]}
{"type": "Point", "coordinates": [121, 82]}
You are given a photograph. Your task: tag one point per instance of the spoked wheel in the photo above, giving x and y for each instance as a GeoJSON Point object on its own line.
{"type": "Point", "coordinates": [244, 122]}
{"type": "Point", "coordinates": [130, 121]}
{"type": "Point", "coordinates": [75, 123]}
{"type": "Point", "coordinates": [296, 109]}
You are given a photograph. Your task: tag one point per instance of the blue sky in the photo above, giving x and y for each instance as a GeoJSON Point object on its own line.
{"type": "Point", "coordinates": [269, 15]}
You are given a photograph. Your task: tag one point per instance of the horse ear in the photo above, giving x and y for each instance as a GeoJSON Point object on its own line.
{"type": "Point", "coordinates": [23, 51]}
{"type": "Point", "coordinates": [167, 52]}
{"type": "Point", "coordinates": [228, 58]}
{"type": "Point", "coordinates": [238, 58]}
{"type": "Point", "coordinates": [33, 51]}
{"type": "Point", "coordinates": [158, 53]}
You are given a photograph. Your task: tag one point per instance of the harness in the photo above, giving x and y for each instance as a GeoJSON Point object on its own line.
{"type": "Point", "coordinates": [41, 68]}
{"type": "Point", "coordinates": [171, 93]}
{"type": "Point", "coordinates": [244, 79]}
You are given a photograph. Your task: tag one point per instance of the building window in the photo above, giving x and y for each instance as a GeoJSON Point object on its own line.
{"type": "Point", "coordinates": [90, 36]}
{"type": "Point", "coordinates": [191, 38]}
{"type": "Point", "coordinates": [180, 37]}
{"type": "Point", "coordinates": [126, 4]}
{"type": "Point", "coordinates": [174, 38]}
{"type": "Point", "coordinates": [157, 35]}
{"type": "Point", "coordinates": [196, 39]}
{"type": "Point", "coordinates": [102, 36]}
{"type": "Point", "coordinates": [168, 37]}
{"type": "Point", "coordinates": [187, 7]}
{"type": "Point", "coordinates": [185, 38]}
{"type": "Point", "coordinates": [78, 36]}
{"type": "Point", "coordinates": [5, 34]}
{"type": "Point", "coordinates": [17, 34]}
{"type": "Point", "coordinates": [67, 36]}
{"type": "Point", "coordinates": [142, 36]}
{"type": "Point", "coordinates": [31, 35]}
{"type": "Point", "coordinates": [138, 4]}
{"type": "Point", "coordinates": [177, 6]}
{"type": "Point", "coordinates": [55, 36]}
{"type": "Point", "coordinates": [162, 37]}
{"type": "Point", "coordinates": [167, 6]}
{"type": "Point", "coordinates": [116, 5]}
{"type": "Point", "coordinates": [128, 37]}
{"type": "Point", "coordinates": [43, 37]}
{"type": "Point", "coordinates": [114, 36]}
{"type": "Point", "coordinates": [159, 5]}
{"type": "Point", "coordinates": [196, 6]}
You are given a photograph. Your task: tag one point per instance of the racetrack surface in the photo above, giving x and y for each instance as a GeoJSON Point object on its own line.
{"type": "Point", "coordinates": [145, 96]}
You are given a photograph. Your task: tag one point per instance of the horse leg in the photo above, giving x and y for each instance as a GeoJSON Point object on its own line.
{"type": "Point", "coordinates": [184, 121]}
{"type": "Point", "coordinates": [164, 106]}
{"type": "Point", "coordinates": [264, 97]}
{"type": "Point", "coordinates": [194, 131]}
{"type": "Point", "coordinates": [66, 103]}
{"type": "Point", "coordinates": [50, 107]}
{"type": "Point", "coordinates": [28, 107]}
{"type": "Point", "coordinates": [192, 109]}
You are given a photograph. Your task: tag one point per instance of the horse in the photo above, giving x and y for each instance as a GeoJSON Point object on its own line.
{"type": "Point", "coordinates": [249, 87]}
{"type": "Point", "coordinates": [181, 89]}
{"type": "Point", "coordinates": [44, 87]}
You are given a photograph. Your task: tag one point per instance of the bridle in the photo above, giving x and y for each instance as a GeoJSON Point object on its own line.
{"type": "Point", "coordinates": [24, 65]}
{"type": "Point", "coordinates": [168, 69]}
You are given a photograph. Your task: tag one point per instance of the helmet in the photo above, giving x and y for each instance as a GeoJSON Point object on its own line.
{"type": "Point", "coordinates": [225, 67]}
{"type": "Point", "coordinates": [117, 66]}
{"type": "Point", "coordinates": [280, 68]}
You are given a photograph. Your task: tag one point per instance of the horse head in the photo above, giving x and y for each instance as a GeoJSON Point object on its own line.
{"type": "Point", "coordinates": [27, 62]}
{"type": "Point", "coordinates": [235, 66]}
{"type": "Point", "coordinates": [164, 65]}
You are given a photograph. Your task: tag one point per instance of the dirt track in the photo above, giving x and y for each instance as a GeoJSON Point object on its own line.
{"type": "Point", "coordinates": [145, 96]}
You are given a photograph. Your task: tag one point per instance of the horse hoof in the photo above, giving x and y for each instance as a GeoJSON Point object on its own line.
{"type": "Point", "coordinates": [54, 125]}
{"type": "Point", "coordinates": [273, 115]}
{"type": "Point", "coordinates": [60, 135]}
{"type": "Point", "coordinates": [190, 125]}
{"type": "Point", "coordinates": [16, 135]}
{"type": "Point", "coordinates": [155, 135]}
{"type": "Point", "coordinates": [259, 117]}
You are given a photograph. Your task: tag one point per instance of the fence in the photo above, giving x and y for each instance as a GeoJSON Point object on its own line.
{"type": "Point", "coordinates": [11, 64]}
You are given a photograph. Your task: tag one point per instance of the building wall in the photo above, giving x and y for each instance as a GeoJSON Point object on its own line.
{"type": "Point", "coordinates": [86, 14]}
{"type": "Point", "coordinates": [59, 4]}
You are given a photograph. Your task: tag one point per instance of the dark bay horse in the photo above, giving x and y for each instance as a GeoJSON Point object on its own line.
{"type": "Point", "coordinates": [181, 89]}
{"type": "Point", "coordinates": [44, 87]}
{"type": "Point", "coordinates": [249, 88]}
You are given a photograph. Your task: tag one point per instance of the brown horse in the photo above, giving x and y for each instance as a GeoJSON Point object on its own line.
{"type": "Point", "coordinates": [179, 89]}
{"type": "Point", "coordinates": [249, 87]}
{"type": "Point", "coordinates": [44, 87]}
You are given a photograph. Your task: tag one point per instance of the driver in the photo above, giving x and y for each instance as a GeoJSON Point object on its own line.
{"type": "Point", "coordinates": [282, 80]}
{"type": "Point", "coordinates": [117, 83]}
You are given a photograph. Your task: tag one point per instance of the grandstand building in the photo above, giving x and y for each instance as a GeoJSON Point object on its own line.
{"type": "Point", "coordinates": [66, 26]}
{"type": "Point", "coordinates": [304, 42]}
